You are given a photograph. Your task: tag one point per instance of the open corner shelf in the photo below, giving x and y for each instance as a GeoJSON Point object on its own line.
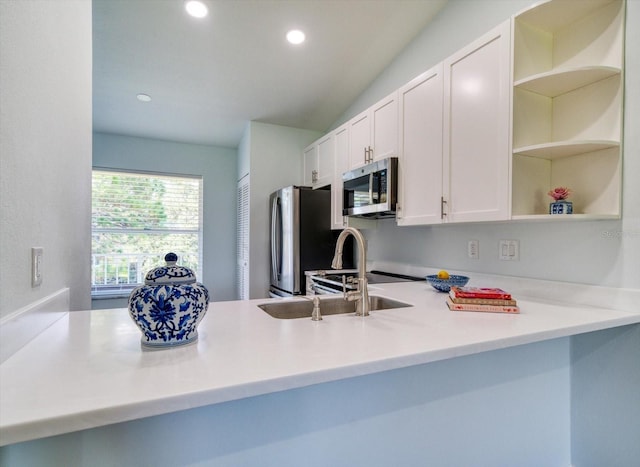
{"type": "Point", "coordinates": [558, 82]}
{"type": "Point", "coordinates": [559, 149]}
{"type": "Point", "coordinates": [567, 107]}
{"type": "Point", "coordinates": [564, 217]}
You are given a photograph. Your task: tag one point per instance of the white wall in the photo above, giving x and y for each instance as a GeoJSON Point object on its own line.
{"type": "Point", "coordinates": [603, 253]}
{"type": "Point", "coordinates": [218, 168]}
{"type": "Point", "coordinates": [45, 149]}
{"type": "Point", "coordinates": [275, 161]}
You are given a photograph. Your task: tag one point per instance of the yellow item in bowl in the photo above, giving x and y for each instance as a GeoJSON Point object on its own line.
{"type": "Point", "coordinates": [444, 275]}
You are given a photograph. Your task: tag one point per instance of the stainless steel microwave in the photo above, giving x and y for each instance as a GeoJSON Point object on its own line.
{"type": "Point", "coordinates": [371, 190]}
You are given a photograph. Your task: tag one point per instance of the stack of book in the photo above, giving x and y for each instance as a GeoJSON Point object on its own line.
{"type": "Point", "coordinates": [481, 299]}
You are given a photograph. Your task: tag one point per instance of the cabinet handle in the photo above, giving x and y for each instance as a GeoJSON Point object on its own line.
{"type": "Point", "coordinates": [314, 176]}
{"type": "Point", "coordinates": [368, 155]}
{"type": "Point", "coordinates": [443, 202]}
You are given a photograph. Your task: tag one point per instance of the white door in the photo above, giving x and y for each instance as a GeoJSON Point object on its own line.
{"type": "Point", "coordinates": [341, 161]}
{"type": "Point", "coordinates": [420, 164]}
{"type": "Point", "coordinates": [325, 160]}
{"type": "Point", "coordinates": [359, 139]}
{"type": "Point", "coordinates": [477, 129]}
{"type": "Point", "coordinates": [242, 240]}
{"type": "Point", "coordinates": [310, 165]}
{"type": "Point", "coordinates": [384, 127]}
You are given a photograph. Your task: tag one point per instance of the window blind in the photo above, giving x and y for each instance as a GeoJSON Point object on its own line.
{"type": "Point", "coordinates": [136, 219]}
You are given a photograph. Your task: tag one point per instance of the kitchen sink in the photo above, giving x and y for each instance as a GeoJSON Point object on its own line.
{"type": "Point", "coordinates": [291, 309]}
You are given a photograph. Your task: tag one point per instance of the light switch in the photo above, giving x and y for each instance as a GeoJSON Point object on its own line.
{"type": "Point", "coordinates": [473, 249]}
{"type": "Point", "coordinates": [36, 266]}
{"type": "Point", "coordinates": [509, 250]}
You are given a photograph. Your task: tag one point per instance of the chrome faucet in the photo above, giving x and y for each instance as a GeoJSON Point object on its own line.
{"type": "Point", "coordinates": [361, 294]}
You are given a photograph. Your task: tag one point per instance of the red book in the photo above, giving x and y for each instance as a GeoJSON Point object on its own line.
{"type": "Point", "coordinates": [479, 292]}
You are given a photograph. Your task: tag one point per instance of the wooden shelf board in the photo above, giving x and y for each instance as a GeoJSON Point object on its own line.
{"type": "Point", "coordinates": [564, 217]}
{"type": "Point", "coordinates": [551, 16]}
{"type": "Point", "coordinates": [557, 82]}
{"type": "Point", "coordinates": [559, 149]}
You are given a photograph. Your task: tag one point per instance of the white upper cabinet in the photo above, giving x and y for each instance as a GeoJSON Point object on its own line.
{"type": "Point", "coordinates": [341, 159]}
{"type": "Point", "coordinates": [567, 107]}
{"type": "Point", "coordinates": [477, 111]}
{"type": "Point", "coordinates": [310, 170]}
{"type": "Point", "coordinates": [373, 133]}
{"type": "Point", "coordinates": [326, 152]}
{"type": "Point", "coordinates": [318, 162]}
{"type": "Point", "coordinates": [420, 167]}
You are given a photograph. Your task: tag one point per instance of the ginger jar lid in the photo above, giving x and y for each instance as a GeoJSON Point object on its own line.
{"type": "Point", "coordinates": [171, 274]}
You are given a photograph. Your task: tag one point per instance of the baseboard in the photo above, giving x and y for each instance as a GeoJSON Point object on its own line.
{"type": "Point", "coordinates": [22, 326]}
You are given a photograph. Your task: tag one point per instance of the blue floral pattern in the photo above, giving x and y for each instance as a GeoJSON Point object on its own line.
{"type": "Point", "coordinates": [168, 315]}
{"type": "Point", "coordinates": [170, 274]}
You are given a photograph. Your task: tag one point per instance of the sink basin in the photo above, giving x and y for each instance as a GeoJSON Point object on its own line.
{"type": "Point", "coordinates": [291, 309]}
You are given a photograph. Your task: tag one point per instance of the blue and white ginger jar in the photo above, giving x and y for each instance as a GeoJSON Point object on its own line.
{"type": "Point", "coordinates": [169, 306]}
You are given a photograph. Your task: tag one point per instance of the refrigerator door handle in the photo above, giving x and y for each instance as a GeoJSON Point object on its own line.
{"type": "Point", "coordinates": [275, 239]}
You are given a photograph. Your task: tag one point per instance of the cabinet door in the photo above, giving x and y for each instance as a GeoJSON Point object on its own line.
{"type": "Point", "coordinates": [341, 165]}
{"type": "Point", "coordinates": [359, 139]}
{"type": "Point", "coordinates": [310, 165]}
{"type": "Point", "coordinates": [325, 160]}
{"type": "Point", "coordinates": [477, 129]}
{"type": "Point", "coordinates": [420, 165]}
{"type": "Point", "coordinates": [384, 127]}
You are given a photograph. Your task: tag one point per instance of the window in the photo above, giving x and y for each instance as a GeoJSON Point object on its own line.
{"type": "Point", "coordinates": [136, 219]}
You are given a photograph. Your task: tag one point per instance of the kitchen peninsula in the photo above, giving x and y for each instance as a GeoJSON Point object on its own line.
{"type": "Point", "coordinates": [411, 386]}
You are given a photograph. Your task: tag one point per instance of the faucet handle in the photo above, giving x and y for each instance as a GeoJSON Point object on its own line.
{"type": "Point", "coordinates": [344, 287]}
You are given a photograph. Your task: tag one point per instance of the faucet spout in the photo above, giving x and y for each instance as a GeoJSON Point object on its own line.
{"type": "Point", "coordinates": [362, 293]}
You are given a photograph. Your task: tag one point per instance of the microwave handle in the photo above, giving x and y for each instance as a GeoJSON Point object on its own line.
{"type": "Point", "coordinates": [371, 188]}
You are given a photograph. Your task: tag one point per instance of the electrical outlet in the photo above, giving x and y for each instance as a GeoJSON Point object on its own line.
{"type": "Point", "coordinates": [473, 249]}
{"type": "Point", "coordinates": [36, 266]}
{"type": "Point", "coordinates": [509, 250]}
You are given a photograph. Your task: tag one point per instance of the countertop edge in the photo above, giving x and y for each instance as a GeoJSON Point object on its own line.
{"type": "Point", "coordinates": [10, 434]}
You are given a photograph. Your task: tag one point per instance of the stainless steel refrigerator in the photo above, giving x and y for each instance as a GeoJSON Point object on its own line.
{"type": "Point", "coordinates": [301, 237]}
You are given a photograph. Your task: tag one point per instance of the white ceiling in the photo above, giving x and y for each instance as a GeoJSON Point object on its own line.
{"type": "Point", "coordinates": [209, 77]}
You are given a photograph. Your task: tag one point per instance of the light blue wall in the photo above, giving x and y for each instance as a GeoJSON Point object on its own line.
{"type": "Point", "coordinates": [605, 398]}
{"type": "Point", "coordinates": [273, 156]}
{"type": "Point", "coordinates": [603, 253]}
{"type": "Point", "coordinates": [503, 408]}
{"type": "Point", "coordinates": [218, 168]}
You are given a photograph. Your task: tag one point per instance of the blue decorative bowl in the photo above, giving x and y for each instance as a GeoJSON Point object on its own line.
{"type": "Point", "coordinates": [169, 306]}
{"type": "Point", "coordinates": [444, 285]}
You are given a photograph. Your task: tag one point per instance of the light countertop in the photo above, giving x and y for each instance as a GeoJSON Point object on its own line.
{"type": "Point", "coordinates": [88, 368]}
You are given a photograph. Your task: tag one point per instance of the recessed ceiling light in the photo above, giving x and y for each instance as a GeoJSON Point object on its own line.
{"type": "Point", "coordinates": [295, 36]}
{"type": "Point", "coordinates": [144, 97]}
{"type": "Point", "coordinates": [196, 9]}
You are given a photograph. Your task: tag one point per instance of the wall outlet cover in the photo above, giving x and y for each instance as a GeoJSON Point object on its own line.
{"type": "Point", "coordinates": [509, 250]}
